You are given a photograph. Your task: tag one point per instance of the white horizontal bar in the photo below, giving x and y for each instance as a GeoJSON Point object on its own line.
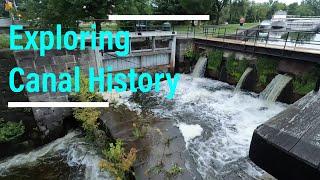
{"type": "Point", "coordinates": [57, 104]}
{"type": "Point", "coordinates": [159, 17]}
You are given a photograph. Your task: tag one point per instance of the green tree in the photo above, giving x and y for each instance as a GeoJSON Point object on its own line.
{"type": "Point", "coordinates": [46, 13]}
{"type": "Point", "coordinates": [313, 5]}
{"type": "Point", "coordinates": [217, 7]}
{"type": "Point", "coordinates": [168, 7]}
{"type": "Point", "coordinates": [238, 9]}
{"type": "Point", "coordinates": [293, 9]}
{"type": "Point", "coordinates": [196, 6]}
{"type": "Point", "coordinates": [275, 6]}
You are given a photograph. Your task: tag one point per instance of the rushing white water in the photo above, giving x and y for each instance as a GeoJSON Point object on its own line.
{"type": "Point", "coordinates": [190, 131]}
{"type": "Point", "coordinates": [228, 120]}
{"type": "Point", "coordinates": [199, 69]}
{"type": "Point", "coordinates": [243, 78]}
{"type": "Point", "coordinates": [275, 87]}
{"type": "Point", "coordinates": [75, 152]}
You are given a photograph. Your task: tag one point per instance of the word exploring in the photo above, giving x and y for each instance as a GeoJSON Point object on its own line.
{"type": "Point", "coordinates": [103, 81]}
{"type": "Point", "coordinates": [70, 40]}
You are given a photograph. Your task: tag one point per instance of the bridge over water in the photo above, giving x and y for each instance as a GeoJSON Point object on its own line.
{"type": "Point", "coordinates": [297, 45]}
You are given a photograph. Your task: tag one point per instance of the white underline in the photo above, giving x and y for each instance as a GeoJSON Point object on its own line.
{"type": "Point", "coordinates": [159, 17]}
{"type": "Point", "coordinates": [57, 104]}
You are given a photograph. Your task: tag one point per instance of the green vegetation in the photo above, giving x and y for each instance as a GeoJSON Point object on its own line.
{"type": "Point", "coordinates": [85, 95]}
{"type": "Point", "coordinates": [305, 83]}
{"type": "Point", "coordinates": [139, 130]}
{"type": "Point", "coordinates": [4, 41]}
{"type": "Point", "coordinates": [214, 59]}
{"type": "Point", "coordinates": [266, 68]}
{"type": "Point", "coordinates": [170, 173]}
{"type": "Point", "coordinates": [191, 54]}
{"type": "Point", "coordinates": [10, 130]}
{"type": "Point", "coordinates": [157, 169]}
{"type": "Point", "coordinates": [174, 171]}
{"type": "Point", "coordinates": [236, 68]}
{"type": "Point", "coordinates": [116, 161]}
{"type": "Point", "coordinates": [87, 116]}
{"type": "Point", "coordinates": [50, 12]}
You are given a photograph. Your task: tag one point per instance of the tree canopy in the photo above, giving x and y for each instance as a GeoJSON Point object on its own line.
{"type": "Point", "coordinates": [46, 13]}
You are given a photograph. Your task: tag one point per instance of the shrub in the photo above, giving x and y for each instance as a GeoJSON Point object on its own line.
{"type": "Point", "coordinates": [10, 130]}
{"type": "Point", "coordinates": [191, 54]}
{"type": "Point", "coordinates": [85, 95]}
{"type": "Point", "coordinates": [116, 161]}
{"type": "Point", "coordinates": [87, 116]}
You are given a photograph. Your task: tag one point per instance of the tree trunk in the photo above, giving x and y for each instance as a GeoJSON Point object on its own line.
{"type": "Point", "coordinates": [217, 20]}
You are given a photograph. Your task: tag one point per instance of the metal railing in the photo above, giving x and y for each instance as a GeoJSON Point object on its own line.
{"type": "Point", "coordinates": [282, 38]}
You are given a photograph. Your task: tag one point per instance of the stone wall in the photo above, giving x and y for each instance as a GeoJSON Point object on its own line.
{"type": "Point", "coordinates": [50, 120]}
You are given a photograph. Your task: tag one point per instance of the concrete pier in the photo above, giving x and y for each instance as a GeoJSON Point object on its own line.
{"type": "Point", "coordinates": [288, 145]}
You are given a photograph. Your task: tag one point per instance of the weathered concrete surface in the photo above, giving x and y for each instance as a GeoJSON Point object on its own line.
{"type": "Point", "coordinates": [288, 145]}
{"type": "Point", "coordinates": [158, 150]}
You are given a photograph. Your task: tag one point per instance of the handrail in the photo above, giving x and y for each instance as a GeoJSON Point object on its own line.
{"type": "Point", "coordinates": [285, 38]}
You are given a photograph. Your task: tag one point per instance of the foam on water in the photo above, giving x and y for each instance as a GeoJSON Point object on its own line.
{"type": "Point", "coordinates": [74, 149]}
{"type": "Point", "coordinates": [189, 131]}
{"type": "Point", "coordinates": [228, 120]}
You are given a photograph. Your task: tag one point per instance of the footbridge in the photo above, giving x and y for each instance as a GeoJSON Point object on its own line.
{"type": "Point", "coordinates": [297, 45]}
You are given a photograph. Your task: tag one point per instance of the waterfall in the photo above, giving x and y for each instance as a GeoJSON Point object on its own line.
{"type": "Point", "coordinates": [243, 78]}
{"type": "Point", "coordinates": [73, 150]}
{"type": "Point", "coordinates": [200, 67]}
{"type": "Point", "coordinates": [276, 86]}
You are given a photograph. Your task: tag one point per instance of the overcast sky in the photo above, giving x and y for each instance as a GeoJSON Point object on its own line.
{"type": "Point", "coordinates": [284, 1]}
